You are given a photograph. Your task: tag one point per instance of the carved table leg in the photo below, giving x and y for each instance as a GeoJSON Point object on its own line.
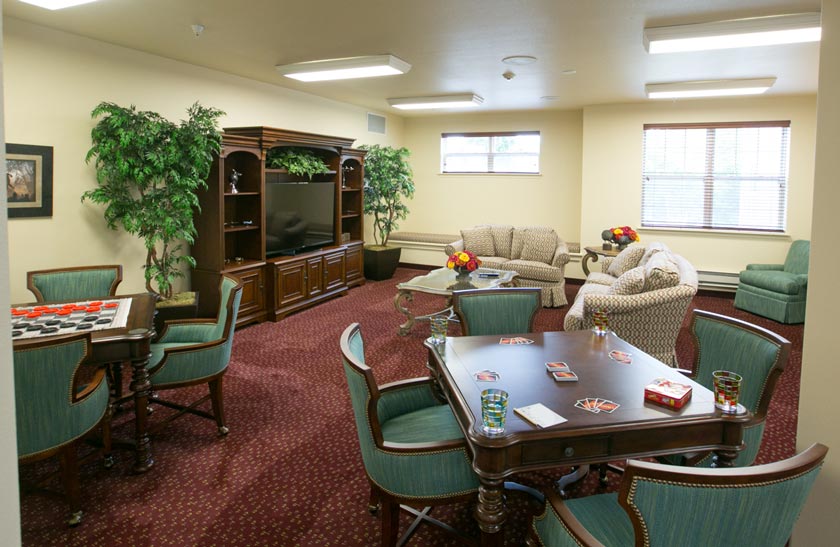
{"type": "Point", "coordinates": [584, 262]}
{"type": "Point", "coordinates": [407, 297]}
{"type": "Point", "coordinates": [490, 511]}
{"type": "Point", "coordinates": [140, 385]}
{"type": "Point", "coordinates": [725, 458]}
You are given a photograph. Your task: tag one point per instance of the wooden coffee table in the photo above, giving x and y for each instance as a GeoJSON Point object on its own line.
{"type": "Point", "coordinates": [438, 282]}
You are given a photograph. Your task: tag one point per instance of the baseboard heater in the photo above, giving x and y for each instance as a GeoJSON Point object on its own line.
{"type": "Point", "coordinates": [717, 281]}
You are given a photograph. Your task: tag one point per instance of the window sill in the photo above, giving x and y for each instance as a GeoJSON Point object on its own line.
{"type": "Point", "coordinates": [490, 174]}
{"type": "Point", "coordinates": [732, 233]}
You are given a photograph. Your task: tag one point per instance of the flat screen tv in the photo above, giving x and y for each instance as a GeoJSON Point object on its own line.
{"type": "Point", "coordinates": [299, 217]}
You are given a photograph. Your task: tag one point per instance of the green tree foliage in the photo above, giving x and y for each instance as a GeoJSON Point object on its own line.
{"type": "Point", "coordinates": [388, 179]}
{"type": "Point", "coordinates": [148, 170]}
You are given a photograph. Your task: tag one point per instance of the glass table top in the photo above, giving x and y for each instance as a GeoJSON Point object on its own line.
{"type": "Point", "coordinates": [438, 281]}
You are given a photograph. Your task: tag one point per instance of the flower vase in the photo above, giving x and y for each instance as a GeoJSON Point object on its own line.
{"type": "Point", "coordinates": [622, 246]}
{"type": "Point", "coordinates": [462, 279]}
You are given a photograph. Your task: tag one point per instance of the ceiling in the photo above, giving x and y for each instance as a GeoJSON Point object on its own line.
{"type": "Point", "coordinates": [454, 46]}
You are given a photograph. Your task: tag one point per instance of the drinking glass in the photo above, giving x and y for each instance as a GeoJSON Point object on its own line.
{"type": "Point", "coordinates": [493, 410]}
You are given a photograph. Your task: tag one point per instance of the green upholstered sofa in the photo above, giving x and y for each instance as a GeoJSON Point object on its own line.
{"type": "Point", "coordinates": [777, 291]}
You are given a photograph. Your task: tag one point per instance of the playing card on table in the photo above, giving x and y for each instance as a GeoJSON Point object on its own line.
{"type": "Point", "coordinates": [564, 376]}
{"type": "Point", "coordinates": [620, 356]}
{"type": "Point", "coordinates": [606, 405]}
{"type": "Point", "coordinates": [589, 404]}
{"type": "Point", "coordinates": [506, 341]}
{"type": "Point", "coordinates": [486, 376]}
{"type": "Point", "coordinates": [557, 366]}
{"type": "Point", "coordinates": [521, 340]}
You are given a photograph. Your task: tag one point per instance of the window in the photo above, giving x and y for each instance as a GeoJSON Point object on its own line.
{"type": "Point", "coordinates": [723, 176]}
{"type": "Point", "coordinates": [517, 152]}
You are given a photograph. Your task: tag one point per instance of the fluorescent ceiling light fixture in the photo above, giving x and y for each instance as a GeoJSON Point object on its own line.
{"type": "Point", "coordinates": [346, 68]}
{"type": "Point", "coordinates": [754, 31]}
{"type": "Point", "coordinates": [464, 100]}
{"type": "Point", "coordinates": [519, 60]}
{"type": "Point", "coordinates": [708, 88]}
{"type": "Point", "coordinates": [56, 4]}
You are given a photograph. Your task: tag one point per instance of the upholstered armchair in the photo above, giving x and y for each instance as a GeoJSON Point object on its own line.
{"type": "Point", "coordinates": [413, 451]}
{"type": "Point", "coordinates": [756, 354]}
{"type": "Point", "coordinates": [79, 283]}
{"type": "Point", "coordinates": [54, 409]}
{"type": "Point", "coordinates": [196, 351]}
{"type": "Point", "coordinates": [496, 311]}
{"type": "Point", "coordinates": [777, 291]}
{"type": "Point", "coordinates": [662, 505]}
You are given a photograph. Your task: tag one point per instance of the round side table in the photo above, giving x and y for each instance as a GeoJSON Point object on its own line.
{"type": "Point", "coordinates": [592, 253]}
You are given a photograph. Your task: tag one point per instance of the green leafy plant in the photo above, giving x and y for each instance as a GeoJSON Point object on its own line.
{"type": "Point", "coordinates": [297, 161]}
{"type": "Point", "coordinates": [148, 169]}
{"type": "Point", "coordinates": [388, 179]}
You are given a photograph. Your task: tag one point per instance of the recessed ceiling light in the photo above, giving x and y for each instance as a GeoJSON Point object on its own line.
{"type": "Point", "coordinates": [519, 60]}
{"type": "Point", "coordinates": [708, 88]}
{"type": "Point", "coordinates": [56, 4]}
{"type": "Point", "coordinates": [753, 31]}
{"type": "Point", "coordinates": [465, 100]}
{"type": "Point", "coordinates": [346, 68]}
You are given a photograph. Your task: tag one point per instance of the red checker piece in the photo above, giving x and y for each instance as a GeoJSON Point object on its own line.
{"type": "Point", "coordinates": [33, 314]}
{"type": "Point", "coordinates": [68, 306]}
{"type": "Point", "coordinates": [92, 309]}
{"type": "Point", "coordinates": [112, 305]}
{"type": "Point", "coordinates": [97, 303]}
{"type": "Point", "coordinates": [40, 308]}
{"type": "Point", "coordinates": [64, 312]}
{"type": "Point", "coordinates": [79, 308]}
{"type": "Point", "coordinates": [19, 312]}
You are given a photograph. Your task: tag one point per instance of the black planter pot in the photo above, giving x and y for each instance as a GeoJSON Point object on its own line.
{"type": "Point", "coordinates": [180, 311]}
{"type": "Point", "coordinates": [381, 262]}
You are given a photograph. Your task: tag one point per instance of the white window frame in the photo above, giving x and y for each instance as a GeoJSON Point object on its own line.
{"type": "Point", "coordinates": [709, 177]}
{"type": "Point", "coordinates": [491, 156]}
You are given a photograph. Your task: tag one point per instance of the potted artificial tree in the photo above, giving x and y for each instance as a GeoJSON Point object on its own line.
{"type": "Point", "coordinates": [388, 179]}
{"type": "Point", "coordinates": [148, 169]}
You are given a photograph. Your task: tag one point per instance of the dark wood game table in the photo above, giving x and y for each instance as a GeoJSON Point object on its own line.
{"type": "Point", "coordinates": [636, 429]}
{"type": "Point", "coordinates": [129, 344]}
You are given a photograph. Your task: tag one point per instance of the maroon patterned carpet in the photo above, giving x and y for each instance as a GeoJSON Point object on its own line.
{"type": "Point", "coordinates": [290, 472]}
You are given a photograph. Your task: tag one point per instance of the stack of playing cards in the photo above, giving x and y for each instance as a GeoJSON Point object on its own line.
{"type": "Point", "coordinates": [515, 341]}
{"type": "Point", "coordinates": [561, 372]}
{"type": "Point", "coordinates": [621, 357]}
{"type": "Point", "coordinates": [596, 405]}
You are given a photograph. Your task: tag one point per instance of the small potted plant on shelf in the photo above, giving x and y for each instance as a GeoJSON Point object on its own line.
{"type": "Point", "coordinates": [387, 181]}
{"type": "Point", "coordinates": [148, 169]}
{"type": "Point", "coordinates": [297, 161]}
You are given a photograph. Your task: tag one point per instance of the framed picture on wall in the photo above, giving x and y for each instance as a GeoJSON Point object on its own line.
{"type": "Point", "coordinates": [29, 180]}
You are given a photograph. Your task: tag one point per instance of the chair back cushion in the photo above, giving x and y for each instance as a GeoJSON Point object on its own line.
{"type": "Point", "coordinates": [75, 284]}
{"type": "Point", "coordinates": [497, 311]}
{"type": "Point", "coordinates": [539, 246]}
{"type": "Point", "coordinates": [729, 507]}
{"type": "Point", "coordinates": [661, 272]}
{"type": "Point", "coordinates": [626, 260]}
{"type": "Point", "coordinates": [479, 240]}
{"type": "Point", "coordinates": [798, 256]}
{"type": "Point", "coordinates": [502, 239]}
{"type": "Point", "coordinates": [630, 282]}
{"type": "Point", "coordinates": [47, 415]}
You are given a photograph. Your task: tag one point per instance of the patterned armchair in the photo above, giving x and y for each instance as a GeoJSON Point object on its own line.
{"type": "Point", "coordinates": [661, 505]}
{"type": "Point", "coordinates": [412, 447]}
{"type": "Point", "coordinates": [645, 292]}
{"type": "Point", "coordinates": [54, 410]}
{"type": "Point", "coordinates": [777, 291]}
{"type": "Point", "coordinates": [197, 351]}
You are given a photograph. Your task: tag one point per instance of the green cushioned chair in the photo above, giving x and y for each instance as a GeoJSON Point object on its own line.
{"type": "Point", "coordinates": [54, 409]}
{"type": "Point", "coordinates": [755, 353]}
{"type": "Point", "coordinates": [80, 283]}
{"type": "Point", "coordinates": [496, 311]}
{"type": "Point", "coordinates": [413, 450]}
{"type": "Point", "coordinates": [777, 291]}
{"type": "Point", "coordinates": [663, 506]}
{"type": "Point", "coordinates": [196, 351]}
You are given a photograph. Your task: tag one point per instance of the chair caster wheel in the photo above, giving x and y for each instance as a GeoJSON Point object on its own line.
{"type": "Point", "coordinates": [373, 509]}
{"type": "Point", "coordinates": [75, 519]}
{"type": "Point", "coordinates": [108, 461]}
{"type": "Point", "coordinates": [223, 430]}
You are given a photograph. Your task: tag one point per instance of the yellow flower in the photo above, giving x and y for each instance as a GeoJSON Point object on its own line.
{"type": "Point", "coordinates": [450, 264]}
{"type": "Point", "coordinates": [463, 258]}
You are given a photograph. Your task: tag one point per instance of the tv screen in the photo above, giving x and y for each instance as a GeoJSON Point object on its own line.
{"type": "Point", "coordinates": [299, 217]}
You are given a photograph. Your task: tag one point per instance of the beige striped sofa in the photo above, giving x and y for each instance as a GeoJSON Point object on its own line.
{"type": "Point", "coordinates": [645, 291]}
{"type": "Point", "coordinates": [536, 253]}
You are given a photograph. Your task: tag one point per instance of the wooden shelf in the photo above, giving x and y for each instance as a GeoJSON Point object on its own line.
{"type": "Point", "coordinates": [286, 172]}
{"type": "Point", "coordinates": [238, 194]}
{"type": "Point", "coordinates": [241, 228]}
{"type": "Point", "coordinates": [349, 215]}
{"type": "Point", "coordinates": [244, 265]}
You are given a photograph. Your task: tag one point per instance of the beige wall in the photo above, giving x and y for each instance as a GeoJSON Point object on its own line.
{"type": "Point", "coordinates": [9, 507]}
{"type": "Point", "coordinates": [54, 80]}
{"type": "Point", "coordinates": [819, 524]}
{"type": "Point", "coordinates": [612, 167]}
{"type": "Point", "coordinates": [443, 204]}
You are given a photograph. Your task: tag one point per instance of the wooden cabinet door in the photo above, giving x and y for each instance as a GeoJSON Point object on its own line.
{"type": "Point", "coordinates": [353, 264]}
{"type": "Point", "coordinates": [334, 267]}
{"type": "Point", "coordinates": [290, 283]}
{"type": "Point", "coordinates": [315, 276]}
{"type": "Point", "coordinates": [253, 291]}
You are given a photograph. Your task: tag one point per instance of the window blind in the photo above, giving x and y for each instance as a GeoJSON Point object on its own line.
{"type": "Point", "coordinates": [721, 176]}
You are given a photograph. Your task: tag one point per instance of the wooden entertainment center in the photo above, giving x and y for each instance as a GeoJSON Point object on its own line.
{"type": "Point", "coordinates": [232, 226]}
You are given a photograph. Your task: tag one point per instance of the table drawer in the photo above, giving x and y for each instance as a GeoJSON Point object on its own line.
{"type": "Point", "coordinates": [560, 450]}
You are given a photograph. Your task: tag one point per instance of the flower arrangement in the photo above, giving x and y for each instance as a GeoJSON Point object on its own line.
{"type": "Point", "coordinates": [463, 260]}
{"type": "Point", "coordinates": [622, 235]}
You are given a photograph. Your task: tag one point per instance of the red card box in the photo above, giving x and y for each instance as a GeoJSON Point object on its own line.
{"type": "Point", "coordinates": [667, 393]}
